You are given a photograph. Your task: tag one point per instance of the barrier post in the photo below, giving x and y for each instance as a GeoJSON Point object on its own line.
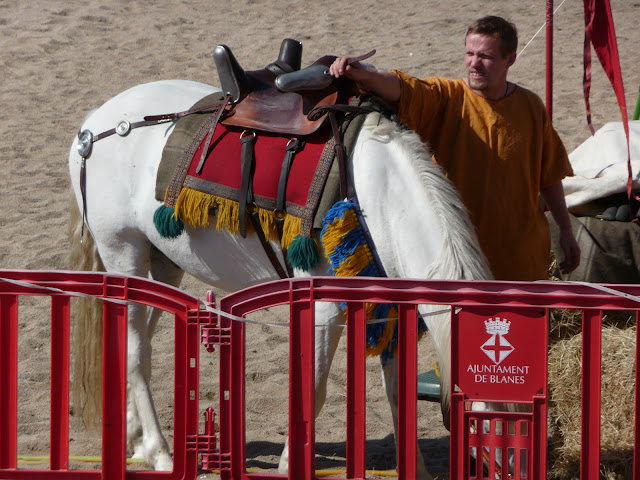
{"type": "Point", "coordinates": [407, 390]}
{"type": "Point", "coordinates": [302, 391]}
{"type": "Point", "coordinates": [591, 366]}
{"type": "Point", "coordinates": [8, 380]}
{"type": "Point", "coordinates": [59, 458]}
{"type": "Point", "coordinates": [356, 390]}
{"type": "Point", "coordinates": [114, 391]}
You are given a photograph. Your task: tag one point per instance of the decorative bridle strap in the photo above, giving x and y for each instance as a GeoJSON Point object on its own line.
{"type": "Point", "coordinates": [349, 111]}
{"type": "Point", "coordinates": [212, 129]}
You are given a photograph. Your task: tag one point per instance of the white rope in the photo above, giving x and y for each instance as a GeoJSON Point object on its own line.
{"type": "Point", "coordinates": [539, 30]}
{"type": "Point", "coordinates": [611, 291]}
{"type": "Point", "coordinates": [222, 313]}
{"type": "Point", "coordinates": [212, 309]}
{"type": "Point", "coordinates": [66, 292]}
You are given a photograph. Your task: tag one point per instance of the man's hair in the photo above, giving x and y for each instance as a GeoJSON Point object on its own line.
{"type": "Point", "coordinates": [496, 27]}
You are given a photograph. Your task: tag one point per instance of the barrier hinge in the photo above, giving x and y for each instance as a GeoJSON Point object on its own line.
{"type": "Point", "coordinates": [206, 445]}
{"type": "Point", "coordinates": [211, 333]}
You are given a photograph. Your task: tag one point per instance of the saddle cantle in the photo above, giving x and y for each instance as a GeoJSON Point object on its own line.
{"type": "Point", "coordinates": [258, 103]}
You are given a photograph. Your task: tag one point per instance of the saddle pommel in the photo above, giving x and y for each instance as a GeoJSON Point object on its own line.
{"type": "Point", "coordinates": [314, 77]}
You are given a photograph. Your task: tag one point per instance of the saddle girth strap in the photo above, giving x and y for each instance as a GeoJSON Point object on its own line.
{"type": "Point", "coordinates": [254, 217]}
{"type": "Point", "coordinates": [248, 140]}
{"type": "Point", "coordinates": [246, 204]}
{"type": "Point", "coordinates": [294, 146]}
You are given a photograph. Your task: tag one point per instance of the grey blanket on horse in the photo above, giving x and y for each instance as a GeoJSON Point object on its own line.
{"type": "Point", "coordinates": [610, 251]}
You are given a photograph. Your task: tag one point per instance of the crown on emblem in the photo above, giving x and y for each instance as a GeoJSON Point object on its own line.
{"type": "Point", "coordinates": [497, 326]}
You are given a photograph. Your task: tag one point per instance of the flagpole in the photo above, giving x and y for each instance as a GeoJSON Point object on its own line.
{"type": "Point", "coordinates": [549, 74]}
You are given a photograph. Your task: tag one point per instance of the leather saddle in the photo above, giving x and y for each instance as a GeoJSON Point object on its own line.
{"type": "Point", "coordinates": [278, 98]}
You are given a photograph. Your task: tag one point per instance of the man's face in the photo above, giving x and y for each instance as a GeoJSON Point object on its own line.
{"type": "Point", "coordinates": [486, 66]}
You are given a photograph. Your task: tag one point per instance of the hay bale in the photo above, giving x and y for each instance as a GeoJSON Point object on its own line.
{"type": "Point", "coordinates": [618, 371]}
{"type": "Point", "coordinates": [564, 324]}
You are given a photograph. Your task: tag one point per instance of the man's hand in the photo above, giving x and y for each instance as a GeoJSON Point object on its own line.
{"type": "Point", "coordinates": [554, 197]}
{"type": "Point", "coordinates": [571, 251]}
{"type": "Point", "coordinates": [384, 84]}
{"type": "Point", "coordinates": [344, 66]}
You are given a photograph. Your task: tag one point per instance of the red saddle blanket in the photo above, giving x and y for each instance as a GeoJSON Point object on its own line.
{"type": "Point", "coordinates": [197, 197]}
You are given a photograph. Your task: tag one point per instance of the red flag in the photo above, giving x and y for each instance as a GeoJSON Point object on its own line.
{"type": "Point", "coordinates": [600, 32]}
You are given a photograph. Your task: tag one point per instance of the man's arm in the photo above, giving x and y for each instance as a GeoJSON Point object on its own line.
{"type": "Point", "coordinates": [554, 198]}
{"type": "Point", "coordinates": [384, 84]}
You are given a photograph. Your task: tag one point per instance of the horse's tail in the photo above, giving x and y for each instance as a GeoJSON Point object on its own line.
{"type": "Point", "coordinates": [87, 327]}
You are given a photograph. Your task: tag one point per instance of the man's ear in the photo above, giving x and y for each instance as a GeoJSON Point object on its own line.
{"type": "Point", "coordinates": [511, 59]}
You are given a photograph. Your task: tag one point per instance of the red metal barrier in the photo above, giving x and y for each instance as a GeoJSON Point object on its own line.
{"type": "Point", "coordinates": [494, 437]}
{"type": "Point", "coordinates": [116, 291]}
{"type": "Point", "coordinates": [501, 440]}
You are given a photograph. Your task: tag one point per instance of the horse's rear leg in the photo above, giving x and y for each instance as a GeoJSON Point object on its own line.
{"type": "Point", "coordinates": [390, 381]}
{"type": "Point", "coordinates": [142, 437]}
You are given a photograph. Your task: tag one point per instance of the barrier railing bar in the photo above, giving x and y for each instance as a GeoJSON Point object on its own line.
{"type": "Point", "coordinates": [91, 284]}
{"type": "Point", "coordinates": [407, 390]}
{"type": "Point", "coordinates": [514, 295]}
{"type": "Point", "coordinates": [234, 397]}
{"type": "Point", "coordinates": [457, 460]}
{"type": "Point", "coordinates": [192, 376]}
{"type": "Point", "coordinates": [302, 391]}
{"type": "Point", "coordinates": [225, 417]}
{"type": "Point", "coordinates": [184, 393]}
{"type": "Point", "coordinates": [356, 390]}
{"type": "Point", "coordinates": [114, 390]}
{"type": "Point", "coordinates": [540, 437]}
{"type": "Point", "coordinates": [59, 445]}
{"type": "Point", "coordinates": [9, 380]}
{"type": "Point", "coordinates": [591, 364]}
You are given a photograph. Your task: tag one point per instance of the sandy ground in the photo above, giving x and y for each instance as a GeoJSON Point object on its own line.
{"type": "Point", "coordinates": [61, 59]}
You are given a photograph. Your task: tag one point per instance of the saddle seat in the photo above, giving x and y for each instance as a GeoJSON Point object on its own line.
{"type": "Point", "coordinates": [258, 101]}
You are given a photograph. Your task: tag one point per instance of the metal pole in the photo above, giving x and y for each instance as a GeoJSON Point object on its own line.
{"type": "Point", "coordinates": [549, 76]}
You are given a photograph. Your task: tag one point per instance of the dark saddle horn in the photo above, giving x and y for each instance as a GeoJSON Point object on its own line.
{"type": "Point", "coordinates": [289, 59]}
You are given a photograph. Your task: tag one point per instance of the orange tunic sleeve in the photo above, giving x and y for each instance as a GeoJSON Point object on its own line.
{"type": "Point", "coordinates": [499, 154]}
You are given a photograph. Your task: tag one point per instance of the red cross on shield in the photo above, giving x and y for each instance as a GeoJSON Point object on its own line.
{"type": "Point", "coordinates": [497, 348]}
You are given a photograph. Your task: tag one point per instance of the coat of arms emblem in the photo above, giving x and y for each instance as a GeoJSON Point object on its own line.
{"type": "Point", "coordinates": [497, 347]}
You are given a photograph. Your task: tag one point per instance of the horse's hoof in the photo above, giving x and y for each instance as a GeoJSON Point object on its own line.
{"type": "Point", "coordinates": [164, 464]}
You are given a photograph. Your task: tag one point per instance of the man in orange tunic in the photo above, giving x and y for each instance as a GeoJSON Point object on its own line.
{"type": "Point", "coordinates": [496, 143]}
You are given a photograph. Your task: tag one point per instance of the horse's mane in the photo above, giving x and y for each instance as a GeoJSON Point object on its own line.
{"type": "Point", "coordinates": [461, 257]}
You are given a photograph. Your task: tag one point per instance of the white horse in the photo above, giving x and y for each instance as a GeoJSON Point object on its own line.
{"type": "Point", "coordinates": [416, 220]}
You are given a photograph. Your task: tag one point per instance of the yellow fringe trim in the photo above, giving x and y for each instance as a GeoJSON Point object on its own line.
{"type": "Point", "coordinates": [290, 230]}
{"type": "Point", "coordinates": [195, 208]}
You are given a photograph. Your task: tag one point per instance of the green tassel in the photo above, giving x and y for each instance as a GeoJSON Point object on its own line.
{"type": "Point", "coordinates": [303, 253]}
{"type": "Point", "coordinates": [166, 223]}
